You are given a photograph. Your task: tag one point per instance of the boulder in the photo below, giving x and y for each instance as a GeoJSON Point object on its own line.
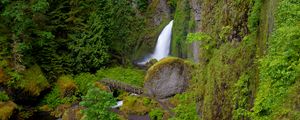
{"type": "Point", "coordinates": [167, 77]}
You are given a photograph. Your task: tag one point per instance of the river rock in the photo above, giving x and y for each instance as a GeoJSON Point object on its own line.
{"type": "Point", "coordinates": [167, 77]}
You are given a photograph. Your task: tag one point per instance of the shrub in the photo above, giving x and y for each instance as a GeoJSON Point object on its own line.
{"type": "Point", "coordinates": [64, 92]}
{"type": "Point", "coordinates": [85, 81]}
{"type": "Point", "coordinates": [156, 114]}
{"type": "Point", "coordinates": [186, 108]}
{"type": "Point", "coordinates": [97, 105]}
{"type": "Point", "coordinates": [53, 99]}
{"type": "Point", "coordinates": [3, 96]}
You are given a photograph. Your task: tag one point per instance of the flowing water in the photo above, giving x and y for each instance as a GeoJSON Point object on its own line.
{"type": "Point", "coordinates": [162, 48]}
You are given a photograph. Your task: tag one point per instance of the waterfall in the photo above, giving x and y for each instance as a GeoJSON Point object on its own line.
{"type": "Point", "coordinates": [162, 48]}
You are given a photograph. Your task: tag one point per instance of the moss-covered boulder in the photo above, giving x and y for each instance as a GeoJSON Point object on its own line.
{"type": "Point", "coordinates": [7, 109]}
{"type": "Point", "coordinates": [34, 81]}
{"type": "Point", "coordinates": [137, 105]}
{"type": "Point", "coordinates": [73, 113]}
{"type": "Point", "coordinates": [67, 86]}
{"type": "Point", "coordinates": [167, 77]}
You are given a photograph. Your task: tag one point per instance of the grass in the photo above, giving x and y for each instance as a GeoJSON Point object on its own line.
{"type": "Point", "coordinates": [128, 75]}
{"type": "Point", "coordinates": [6, 109]}
{"type": "Point", "coordinates": [34, 81]}
{"type": "Point", "coordinates": [66, 85]}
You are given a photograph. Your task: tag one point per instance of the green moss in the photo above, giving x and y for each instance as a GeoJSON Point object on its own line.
{"type": "Point", "coordinates": [63, 92]}
{"type": "Point", "coordinates": [66, 85]}
{"type": "Point", "coordinates": [85, 81]}
{"type": "Point", "coordinates": [168, 61]}
{"type": "Point", "coordinates": [137, 105]}
{"type": "Point", "coordinates": [54, 99]}
{"type": "Point", "coordinates": [6, 109]}
{"type": "Point", "coordinates": [3, 96]}
{"type": "Point", "coordinates": [156, 114]}
{"type": "Point", "coordinates": [185, 107]}
{"type": "Point", "coordinates": [34, 81]}
{"type": "Point", "coordinates": [179, 46]}
{"type": "Point", "coordinates": [128, 75]}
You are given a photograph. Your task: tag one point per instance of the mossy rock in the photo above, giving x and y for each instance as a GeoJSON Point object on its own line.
{"type": "Point", "coordinates": [60, 110]}
{"type": "Point", "coordinates": [34, 81]}
{"type": "Point", "coordinates": [167, 77]}
{"type": "Point", "coordinates": [67, 86]}
{"type": "Point", "coordinates": [7, 109]}
{"type": "Point", "coordinates": [73, 113]}
{"type": "Point", "coordinates": [135, 105]}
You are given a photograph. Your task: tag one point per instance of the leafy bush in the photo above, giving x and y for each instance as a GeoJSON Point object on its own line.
{"type": "Point", "coordinates": [64, 92]}
{"type": "Point", "coordinates": [156, 114]}
{"type": "Point", "coordinates": [97, 105]}
{"type": "Point", "coordinates": [127, 75]}
{"type": "Point", "coordinates": [3, 96]}
{"type": "Point", "coordinates": [255, 15]}
{"type": "Point", "coordinates": [279, 69]}
{"type": "Point", "coordinates": [186, 108]}
{"type": "Point", "coordinates": [85, 81]}
{"type": "Point", "coordinates": [53, 99]}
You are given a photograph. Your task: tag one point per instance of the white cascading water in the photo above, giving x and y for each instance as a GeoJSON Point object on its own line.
{"type": "Point", "coordinates": [162, 48]}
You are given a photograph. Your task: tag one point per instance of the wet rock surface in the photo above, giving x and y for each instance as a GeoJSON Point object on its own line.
{"type": "Point", "coordinates": [167, 77]}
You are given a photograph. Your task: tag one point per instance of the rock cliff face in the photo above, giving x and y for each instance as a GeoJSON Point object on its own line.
{"type": "Point", "coordinates": [167, 77]}
{"type": "Point", "coordinates": [157, 16]}
{"type": "Point", "coordinates": [161, 10]}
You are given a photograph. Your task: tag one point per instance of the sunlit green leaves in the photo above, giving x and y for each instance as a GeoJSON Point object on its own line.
{"type": "Point", "coordinates": [97, 105]}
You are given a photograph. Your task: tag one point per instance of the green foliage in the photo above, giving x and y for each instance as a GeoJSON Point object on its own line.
{"type": "Point", "coordinates": [205, 39]}
{"type": "Point", "coordinates": [172, 3]}
{"type": "Point", "coordinates": [67, 86]}
{"type": "Point", "coordinates": [255, 13]}
{"type": "Point", "coordinates": [33, 81]}
{"type": "Point", "coordinates": [180, 29]}
{"type": "Point", "coordinates": [137, 105]}
{"type": "Point", "coordinates": [97, 105]}
{"type": "Point", "coordinates": [156, 114]}
{"type": "Point", "coordinates": [142, 5]}
{"type": "Point", "coordinates": [199, 36]}
{"type": "Point", "coordinates": [64, 92]}
{"type": "Point", "coordinates": [3, 96]}
{"type": "Point", "coordinates": [54, 98]}
{"type": "Point", "coordinates": [242, 93]}
{"type": "Point", "coordinates": [65, 37]}
{"type": "Point", "coordinates": [85, 81]}
{"type": "Point", "coordinates": [279, 69]}
{"type": "Point", "coordinates": [186, 109]}
{"type": "Point", "coordinates": [128, 75]}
